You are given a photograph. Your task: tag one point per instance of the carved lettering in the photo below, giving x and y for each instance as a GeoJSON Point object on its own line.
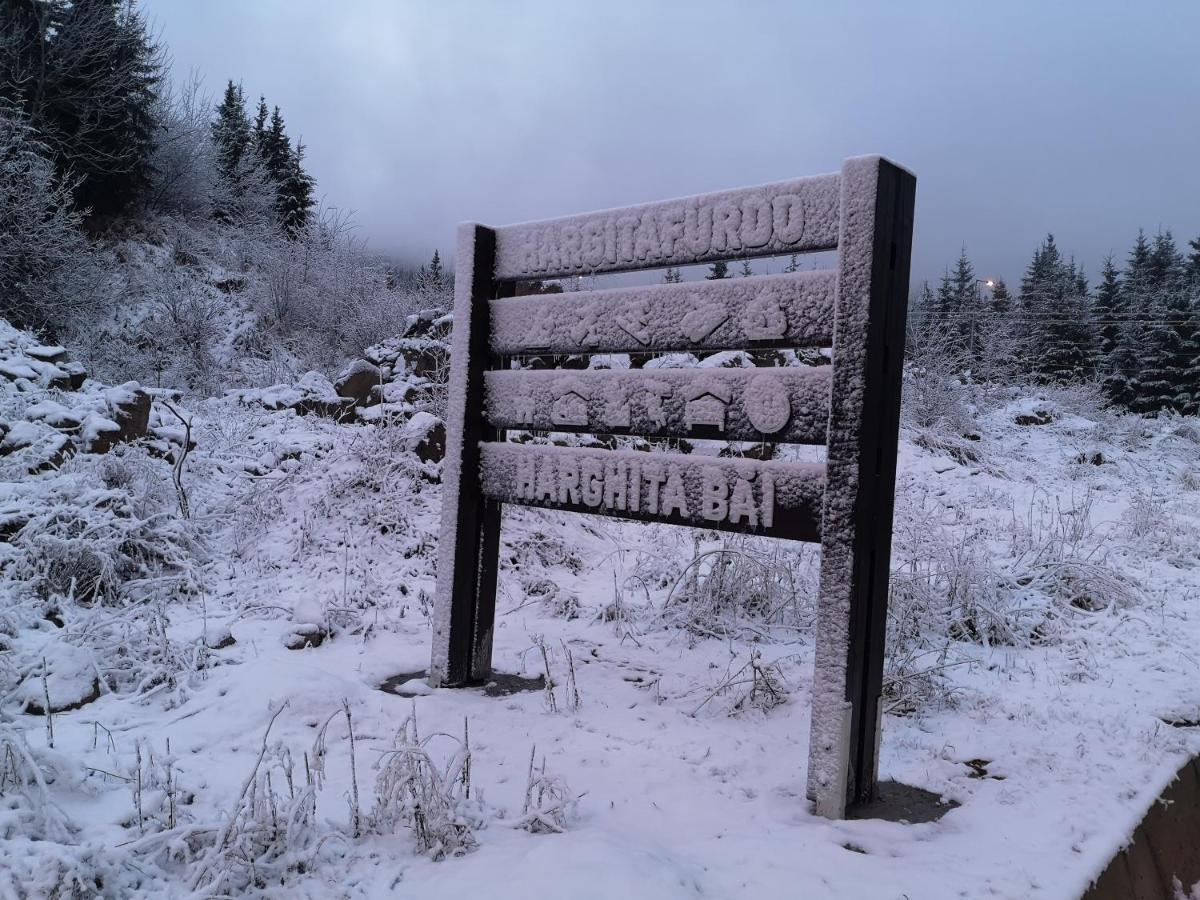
{"type": "Point", "coordinates": [623, 484]}
{"type": "Point", "coordinates": [654, 477]}
{"type": "Point", "coordinates": [741, 504]}
{"type": "Point", "coordinates": [694, 228]}
{"type": "Point", "coordinates": [674, 497]}
{"type": "Point", "coordinates": [715, 491]}
{"type": "Point", "coordinates": [568, 482]}
{"type": "Point", "coordinates": [616, 480]}
{"type": "Point", "coordinates": [757, 222]}
{"type": "Point", "coordinates": [593, 482]}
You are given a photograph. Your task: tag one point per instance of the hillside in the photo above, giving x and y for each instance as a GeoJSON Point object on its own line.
{"type": "Point", "coordinates": [205, 671]}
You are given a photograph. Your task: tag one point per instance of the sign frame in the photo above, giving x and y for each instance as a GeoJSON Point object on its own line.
{"type": "Point", "coordinates": [865, 213]}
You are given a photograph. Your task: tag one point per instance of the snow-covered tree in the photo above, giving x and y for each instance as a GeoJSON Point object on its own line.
{"type": "Point", "coordinates": [1056, 306]}
{"type": "Point", "coordinates": [87, 75]}
{"type": "Point", "coordinates": [42, 250]}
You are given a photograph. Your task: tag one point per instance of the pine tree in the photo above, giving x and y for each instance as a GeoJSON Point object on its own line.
{"type": "Point", "coordinates": [1001, 306]}
{"type": "Point", "coordinates": [437, 279]}
{"type": "Point", "coordinates": [296, 194]}
{"type": "Point", "coordinates": [717, 271]}
{"type": "Point", "coordinates": [87, 75]}
{"type": "Point", "coordinates": [1165, 331]}
{"type": "Point", "coordinates": [1108, 311]}
{"type": "Point", "coordinates": [260, 127]}
{"type": "Point", "coordinates": [957, 309]}
{"type": "Point", "coordinates": [1061, 329]}
{"type": "Point", "coordinates": [793, 263]}
{"type": "Point", "coordinates": [672, 276]}
{"type": "Point", "coordinates": [746, 270]}
{"type": "Point", "coordinates": [1193, 265]}
{"type": "Point", "coordinates": [231, 133]}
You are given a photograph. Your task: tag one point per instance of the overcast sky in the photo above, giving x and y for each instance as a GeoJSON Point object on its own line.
{"type": "Point", "coordinates": [1078, 118]}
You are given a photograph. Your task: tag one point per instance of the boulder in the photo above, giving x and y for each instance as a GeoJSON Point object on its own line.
{"type": "Point", "coordinates": [357, 381]}
{"type": "Point", "coordinates": [130, 406]}
{"type": "Point", "coordinates": [1035, 417]}
{"type": "Point", "coordinates": [425, 435]}
{"type": "Point", "coordinates": [47, 354]}
{"type": "Point", "coordinates": [426, 359]}
{"type": "Point", "coordinates": [317, 396]}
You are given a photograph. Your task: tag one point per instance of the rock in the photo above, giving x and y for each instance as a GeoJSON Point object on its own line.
{"type": "Point", "coordinates": [418, 325]}
{"type": "Point", "coordinates": [130, 406]}
{"type": "Point", "coordinates": [76, 374]}
{"type": "Point", "coordinates": [427, 359]}
{"type": "Point", "coordinates": [219, 637]}
{"type": "Point", "coordinates": [305, 635]}
{"type": "Point", "coordinates": [395, 392]}
{"type": "Point", "coordinates": [357, 381]}
{"type": "Point", "coordinates": [316, 396]}
{"type": "Point", "coordinates": [425, 435]}
{"type": "Point", "coordinates": [941, 466]}
{"type": "Point", "coordinates": [47, 354]}
{"type": "Point", "coordinates": [1036, 417]}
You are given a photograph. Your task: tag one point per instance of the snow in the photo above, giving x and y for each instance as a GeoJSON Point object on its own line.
{"type": "Point", "coordinates": [676, 803]}
{"type": "Point", "coordinates": [794, 310]}
{"type": "Point", "coordinates": [784, 217]}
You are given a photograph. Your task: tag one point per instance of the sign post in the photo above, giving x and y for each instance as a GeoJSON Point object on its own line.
{"type": "Point", "coordinates": [852, 408]}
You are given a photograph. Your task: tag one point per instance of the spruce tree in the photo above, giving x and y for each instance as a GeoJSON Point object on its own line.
{"type": "Point", "coordinates": [437, 278]}
{"type": "Point", "coordinates": [1058, 311]}
{"type": "Point", "coordinates": [746, 270]}
{"type": "Point", "coordinates": [231, 133]}
{"type": "Point", "coordinates": [1001, 306]}
{"type": "Point", "coordinates": [1108, 311]}
{"type": "Point", "coordinates": [1165, 329]}
{"type": "Point", "coordinates": [717, 271]}
{"type": "Point", "coordinates": [672, 276]}
{"type": "Point", "coordinates": [1193, 264]}
{"type": "Point", "coordinates": [87, 75]}
{"type": "Point", "coordinates": [296, 194]}
{"type": "Point", "coordinates": [260, 127]}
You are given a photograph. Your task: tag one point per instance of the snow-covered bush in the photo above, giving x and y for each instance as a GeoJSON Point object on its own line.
{"type": "Point", "coordinates": [431, 799]}
{"type": "Point", "coordinates": [45, 261]}
{"type": "Point", "coordinates": [739, 585]}
{"type": "Point", "coordinates": [74, 540]}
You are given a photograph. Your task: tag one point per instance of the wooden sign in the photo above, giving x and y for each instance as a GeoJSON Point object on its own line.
{"type": "Point", "coordinates": [858, 308]}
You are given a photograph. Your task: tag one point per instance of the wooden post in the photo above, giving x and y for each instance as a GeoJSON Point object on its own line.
{"type": "Point", "coordinates": [856, 524]}
{"type": "Point", "coordinates": [470, 536]}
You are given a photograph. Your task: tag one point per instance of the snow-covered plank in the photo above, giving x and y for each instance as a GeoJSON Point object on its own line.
{"type": "Point", "coordinates": [789, 310]}
{"type": "Point", "coordinates": [789, 405]}
{"type": "Point", "coordinates": [784, 217]}
{"type": "Point", "coordinates": [873, 261]}
{"type": "Point", "coordinates": [769, 498]}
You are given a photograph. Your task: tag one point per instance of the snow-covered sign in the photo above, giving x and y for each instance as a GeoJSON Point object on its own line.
{"type": "Point", "coordinates": [857, 307]}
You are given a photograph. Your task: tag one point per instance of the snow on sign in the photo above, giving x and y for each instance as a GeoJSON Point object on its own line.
{"type": "Point", "coordinates": [858, 307]}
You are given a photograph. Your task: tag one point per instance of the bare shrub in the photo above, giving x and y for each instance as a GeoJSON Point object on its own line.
{"type": "Point", "coordinates": [549, 802]}
{"type": "Point", "coordinates": [433, 801]}
{"type": "Point", "coordinates": [743, 586]}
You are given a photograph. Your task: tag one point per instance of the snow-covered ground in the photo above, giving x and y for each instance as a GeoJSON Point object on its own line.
{"type": "Point", "coordinates": [1046, 627]}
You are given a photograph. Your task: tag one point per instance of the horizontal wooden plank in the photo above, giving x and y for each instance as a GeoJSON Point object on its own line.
{"type": "Point", "coordinates": [776, 499]}
{"type": "Point", "coordinates": [791, 310]}
{"type": "Point", "coordinates": [784, 217]}
{"type": "Point", "coordinates": [789, 405]}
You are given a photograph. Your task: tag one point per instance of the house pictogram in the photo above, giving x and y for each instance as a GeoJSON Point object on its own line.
{"type": "Point", "coordinates": [571, 406]}
{"type": "Point", "coordinates": [706, 406]}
